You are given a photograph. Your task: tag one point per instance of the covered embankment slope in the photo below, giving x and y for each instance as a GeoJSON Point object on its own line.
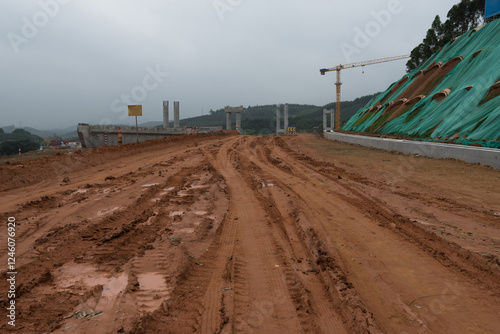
{"type": "Point", "coordinates": [452, 97]}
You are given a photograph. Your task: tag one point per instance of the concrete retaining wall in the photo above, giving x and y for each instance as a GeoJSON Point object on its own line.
{"type": "Point", "coordinates": [482, 155]}
{"type": "Point", "coordinates": [94, 135]}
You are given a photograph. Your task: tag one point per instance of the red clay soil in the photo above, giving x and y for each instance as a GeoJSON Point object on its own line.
{"type": "Point", "coordinates": [223, 233]}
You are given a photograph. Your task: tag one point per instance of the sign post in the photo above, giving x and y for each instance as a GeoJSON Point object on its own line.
{"type": "Point", "coordinates": [135, 110]}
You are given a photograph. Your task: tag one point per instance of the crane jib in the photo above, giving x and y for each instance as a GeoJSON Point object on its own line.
{"type": "Point", "coordinates": [338, 83]}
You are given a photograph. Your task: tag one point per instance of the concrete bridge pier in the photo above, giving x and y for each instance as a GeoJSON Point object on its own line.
{"type": "Point", "coordinates": [238, 120]}
{"type": "Point", "coordinates": [286, 116]}
{"type": "Point", "coordinates": [330, 112]}
{"type": "Point", "coordinates": [228, 120]}
{"type": "Point", "coordinates": [229, 110]}
{"type": "Point", "coordinates": [176, 114]}
{"type": "Point", "coordinates": [278, 119]}
{"type": "Point", "coordinates": [279, 129]}
{"type": "Point", "coordinates": [165, 114]}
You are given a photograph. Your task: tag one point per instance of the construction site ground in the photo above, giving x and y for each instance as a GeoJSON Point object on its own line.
{"type": "Point", "coordinates": [222, 233]}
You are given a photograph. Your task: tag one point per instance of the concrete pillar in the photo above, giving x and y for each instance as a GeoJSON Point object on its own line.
{"type": "Point", "coordinates": [286, 116]}
{"type": "Point", "coordinates": [278, 119]}
{"type": "Point", "coordinates": [238, 120]}
{"type": "Point", "coordinates": [229, 110]}
{"type": "Point", "coordinates": [325, 119]}
{"type": "Point", "coordinates": [165, 114]}
{"type": "Point", "coordinates": [176, 114]}
{"type": "Point", "coordinates": [228, 120]}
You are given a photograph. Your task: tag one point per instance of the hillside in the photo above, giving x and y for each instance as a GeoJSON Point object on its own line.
{"type": "Point", "coordinates": [255, 119]}
{"type": "Point", "coordinates": [452, 97]}
{"type": "Point", "coordinates": [18, 139]}
{"type": "Point", "coordinates": [69, 132]}
{"type": "Point", "coordinates": [262, 119]}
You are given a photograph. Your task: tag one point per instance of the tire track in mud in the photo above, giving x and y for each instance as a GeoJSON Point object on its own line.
{"type": "Point", "coordinates": [189, 212]}
{"type": "Point", "coordinates": [118, 236]}
{"type": "Point", "coordinates": [426, 204]}
{"type": "Point", "coordinates": [155, 275]}
{"type": "Point", "coordinates": [323, 291]}
{"type": "Point", "coordinates": [303, 171]}
{"type": "Point", "coordinates": [314, 306]}
{"type": "Point", "coordinates": [197, 302]}
{"type": "Point", "coordinates": [269, 242]}
{"type": "Point", "coordinates": [263, 302]}
{"type": "Point", "coordinates": [249, 286]}
{"type": "Point", "coordinates": [37, 214]}
{"type": "Point", "coordinates": [60, 165]}
{"type": "Point", "coordinates": [39, 217]}
{"type": "Point", "coordinates": [239, 235]}
{"type": "Point", "coordinates": [448, 253]}
{"type": "Point", "coordinates": [198, 299]}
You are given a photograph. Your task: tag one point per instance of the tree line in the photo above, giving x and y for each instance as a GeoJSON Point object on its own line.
{"type": "Point", "coordinates": [461, 18]}
{"type": "Point", "coordinates": [19, 138]}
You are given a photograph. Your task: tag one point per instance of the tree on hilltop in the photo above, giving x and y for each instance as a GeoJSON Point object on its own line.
{"type": "Point", "coordinates": [461, 18]}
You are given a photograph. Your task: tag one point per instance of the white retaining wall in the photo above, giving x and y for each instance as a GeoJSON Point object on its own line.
{"type": "Point", "coordinates": [472, 154]}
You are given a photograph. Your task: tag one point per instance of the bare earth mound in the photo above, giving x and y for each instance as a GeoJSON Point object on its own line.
{"type": "Point", "coordinates": [222, 233]}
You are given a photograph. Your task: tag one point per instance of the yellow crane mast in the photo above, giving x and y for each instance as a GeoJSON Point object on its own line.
{"type": "Point", "coordinates": [338, 83]}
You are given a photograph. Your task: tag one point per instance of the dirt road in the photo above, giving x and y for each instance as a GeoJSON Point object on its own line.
{"type": "Point", "coordinates": [237, 234]}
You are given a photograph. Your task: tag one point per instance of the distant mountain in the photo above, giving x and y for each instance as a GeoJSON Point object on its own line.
{"type": "Point", "coordinates": [151, 124]}
{"type": "Point", "coordinates": [8, 129]}
{"type": "Point", "coordinates": [262, 119]}
{"type": "Point", "coordinates": [255, 119]}
{"type": "Point", "coordinates": [68, 132]}
{"type": "Point", "coordinates": [71, 134]}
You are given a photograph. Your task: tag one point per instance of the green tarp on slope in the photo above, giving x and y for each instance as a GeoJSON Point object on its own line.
{"type": "Point", "coordinates": [463, 116]}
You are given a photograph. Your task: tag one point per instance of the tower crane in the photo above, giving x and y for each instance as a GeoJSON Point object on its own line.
{"type": "Point", "coordinates": [341, 67]}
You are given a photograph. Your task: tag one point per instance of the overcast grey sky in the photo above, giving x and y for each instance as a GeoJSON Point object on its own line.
{"type": "Point", "coordinates": [70, 61]}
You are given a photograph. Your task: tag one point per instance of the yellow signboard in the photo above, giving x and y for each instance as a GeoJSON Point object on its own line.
{"type": "Point", "coordinates": [135, 110]}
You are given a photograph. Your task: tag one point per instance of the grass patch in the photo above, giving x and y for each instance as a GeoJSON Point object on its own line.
{"type": "Point", "coordinates": [413, 114]}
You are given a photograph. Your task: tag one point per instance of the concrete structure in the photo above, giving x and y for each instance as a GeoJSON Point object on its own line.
{"type": "Point", "coordinates": [472, 154]}
{"type": "Point", "coordinates": [176, 114]}
{"type": "Point", "coordinates": [286, 117]}
{"type": "Point", "coordinates": [278, 119]}
{"type": "Point", "coordinates": [228, 120]}
{"type": "Point", "coordinates": [93, 135]}
{"type": "Point", "coordinates": [229, 110]}
{"type": "Point", "coordinates": [280, 129]}
{"type": "Point", "coordinates": [330, 112]}
{"type": "Point", "coordinates": [238, 119]}
{"type": "Point", "coordinates": [165, 114]}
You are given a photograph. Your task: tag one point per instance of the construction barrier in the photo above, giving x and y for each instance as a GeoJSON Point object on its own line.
{"type": "Point", "coordinates": [291, 131]}
{"type": "Point", "coordinates": [194, 130]}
